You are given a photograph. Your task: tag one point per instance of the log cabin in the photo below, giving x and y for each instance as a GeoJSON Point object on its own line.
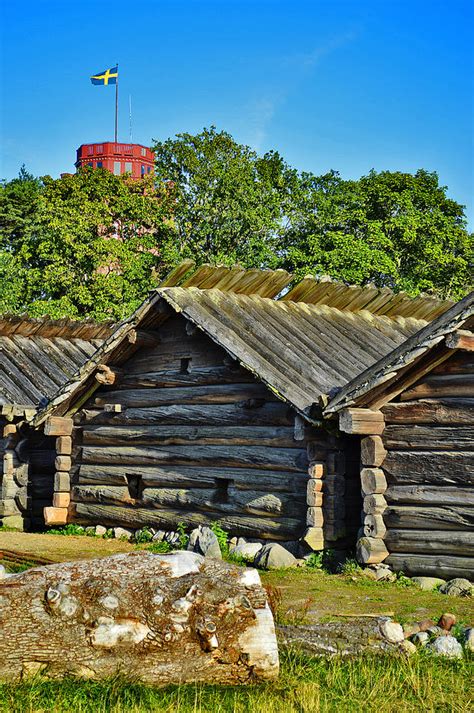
{"type": "Point", "coordinates": [37, 356]}
{"type": "Point", "coordinates": [207, 404]}
{"type": "Point", "coordinates": [414, 413]}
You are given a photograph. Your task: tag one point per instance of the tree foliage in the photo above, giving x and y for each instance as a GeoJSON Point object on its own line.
{"type": "Point", "coordinates": [82, 245]}
{"type": "Point", "coordinates": [228, 201]}
{"type": "Point", "coordinates": [93, 244]}
{"type": "Point", "coordinates": [390, 228]}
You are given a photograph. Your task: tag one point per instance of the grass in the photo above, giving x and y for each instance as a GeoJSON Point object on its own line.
{"type": "Point", "coordinates": [306, 685]}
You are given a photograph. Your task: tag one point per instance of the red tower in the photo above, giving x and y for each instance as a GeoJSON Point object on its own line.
{"type": "Point", "coordinates": [135, 159]}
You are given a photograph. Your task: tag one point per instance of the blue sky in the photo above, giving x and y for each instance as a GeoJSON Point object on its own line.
{"type": "Point", "coordinates": [351, 86]}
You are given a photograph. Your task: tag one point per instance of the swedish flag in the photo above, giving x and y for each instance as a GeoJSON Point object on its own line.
{"type": "Point", "coordinates": [107, 77]}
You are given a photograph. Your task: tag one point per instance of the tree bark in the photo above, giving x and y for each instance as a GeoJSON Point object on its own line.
{"type": "Point", "coordinates": [160, 619]}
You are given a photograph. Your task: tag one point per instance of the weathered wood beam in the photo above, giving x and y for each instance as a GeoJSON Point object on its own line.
{"type": "Point", "coordinates": [372, 451]}
{"type": "Point", "coordinates": [107, 375]}
{"type": "Point", "coordinates": [282, 528]}
{"type": "Point", "coordinates": [58, 426]}
{"type": "Point", "coordinates": [196, 620]}
{"type": "Point", "coordinates": [361, 421]}
{"type": "Point", "coordinates": [55, 516]}
{"type": "Point", "coordinates": [431, 542]}
{"type": "Point", "coordinates": [142, 338]}
{"type": "Point", "coordinates": [445, 411]}
{"type": "Point", "coordinates": [431, 468]}
{"type": "Point", "coordinates": [439, 565]}
{"type": "Point", "coordinates": [371, 550]}
{"type": "Point", "coordinates": [460, 339]}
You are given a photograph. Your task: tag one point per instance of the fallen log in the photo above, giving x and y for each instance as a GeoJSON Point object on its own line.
{"type": "Point", "coordinates": [160, 619]}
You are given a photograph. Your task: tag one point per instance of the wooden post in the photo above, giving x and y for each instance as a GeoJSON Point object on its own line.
{"type": "Point", "coordinates": [370, 548]}
{"type": "Point", "coordinates": [313, 536]}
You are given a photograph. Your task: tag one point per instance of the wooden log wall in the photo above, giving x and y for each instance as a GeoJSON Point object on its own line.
{"type": "Point", "coordinates": [183, 434]}
{"type": "Point", "coordinates": [419, 477]}
{"type": "Point", "coordinates": [26, 476]}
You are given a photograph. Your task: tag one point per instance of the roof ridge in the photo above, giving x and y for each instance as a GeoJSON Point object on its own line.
{"type": "Point", "coordinates": [323, 290]}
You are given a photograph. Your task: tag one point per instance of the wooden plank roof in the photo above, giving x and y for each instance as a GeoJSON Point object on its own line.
{"type": "Point", "coordinates": [299, 350]}
{"type": "Point", "coordinates": [38, 356]}
{"type": "Point", "coordinates": [281, 285]}
{"type": "Point", "coordinates": [385, 371]}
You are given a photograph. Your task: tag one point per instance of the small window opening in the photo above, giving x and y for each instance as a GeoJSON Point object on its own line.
{"type": "Point", "coordinates": [135, 486]}
{"type": "Point", "coordinates": [185, 367]}
{"type": "Point", "coordinates": [222, 490]}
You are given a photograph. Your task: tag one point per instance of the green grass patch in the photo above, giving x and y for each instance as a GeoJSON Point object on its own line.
{"type": "Point", "coordinates": [306, 685]}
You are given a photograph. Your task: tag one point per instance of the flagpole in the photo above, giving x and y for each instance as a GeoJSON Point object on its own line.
{"type": "Point", "coordinates": [116, 107]}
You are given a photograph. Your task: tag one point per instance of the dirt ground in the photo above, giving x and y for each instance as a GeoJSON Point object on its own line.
{"type": "Point", "coordinates": [306, 595]}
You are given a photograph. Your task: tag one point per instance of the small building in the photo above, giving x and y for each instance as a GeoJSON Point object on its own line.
{"type": "Point", "coordinates": [37, 356]}
{"type": "Point", "coordinates": [118, 158]}
{"type": "Point", "coordinates": [211, 410]}
{"type": "Point", "coordinates": [286, 410]}
{"type": "Point", "coordinates": [414, 412]}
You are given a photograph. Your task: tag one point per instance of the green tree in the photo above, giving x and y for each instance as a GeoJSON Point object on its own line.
{"type": "Point", "coordinates": [86, 245]}
{"type": "Point", "coordinates": [390, 228]}
{"type": "Point", "coordinates": [229, 203]}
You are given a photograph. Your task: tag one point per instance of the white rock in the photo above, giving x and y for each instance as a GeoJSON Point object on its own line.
{"type": "Point", "coordinates": [445, 646]}
{"type": "Point", "coordinates": [407, 647]}
{"type": "Point", "coordinates": [392, 631]}
{"type": "Point", "coordinates": [120, 533]}
{"type": "Point", "coordinates": [421, 638]}
{"type": "Point", "coordinates": [457, 587]}
{"type": "Point", "coordinates": [100, 530]}
{"type": "Point", "coordinates": [3, 571]}
{"type": "Point", "coordinates": [274, 556]}
{"type": "Point", "coordinates": [427, 584]}
{"type": "Point", "coordinates": [246, 550]}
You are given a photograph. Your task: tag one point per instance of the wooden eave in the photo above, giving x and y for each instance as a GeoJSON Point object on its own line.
{"type": "Point", "coordinates": [406, 364]}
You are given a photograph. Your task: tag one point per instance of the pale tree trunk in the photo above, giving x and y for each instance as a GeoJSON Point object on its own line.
{"type": "Point", "coordinates": [155, 618]}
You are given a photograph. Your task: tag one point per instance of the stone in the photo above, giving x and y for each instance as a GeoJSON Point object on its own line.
{"type": "Point", "coordinates": [428, 584]}
{"type": "Point", "coordinates": [90, 530]}
{"type": "Point", "coordinates": [204, 541]}
{"type": "Point", "coordinates": [469, 639]}
{"type": "Point", "coordinates": [447, 621]}
{"type": "Point", "coordinates": [274, 556]}
{"type": "Point", "coordinates": [434, 631]}
{"type": "Point", "coordinates": [172, 538]}
{"type": "Point", "coordinates": [457, 587]}
{"type": "Point", "coordinates": [3, 571]}
{"type": "Point", "coordinates": [292, 546]}
{"type": "Point", "coordinates": [407, 647]}
{"type": "Point", "coordinates": [383, 573]}
{"type": "Point", "coordinates": [410, 629]}
{"type": "Point", "coordinates": [121, 533]}
{"type": "Point", "coordinates": [421, 638]}
{"type": "Point", "coordinates": [445, 646]}
{"type": "Point", "coordinates": [14, 522]}
{"type": "Point", "coordinates": [158, 536]}
{"type": "Point", "coordinates": [100, 530]}
{"type": "Point", "coordinates": [246, 550]}
{"type": "Point", "coordinates": [426, 624]}
{"type": "Point", "coordinates": [392, 631]}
